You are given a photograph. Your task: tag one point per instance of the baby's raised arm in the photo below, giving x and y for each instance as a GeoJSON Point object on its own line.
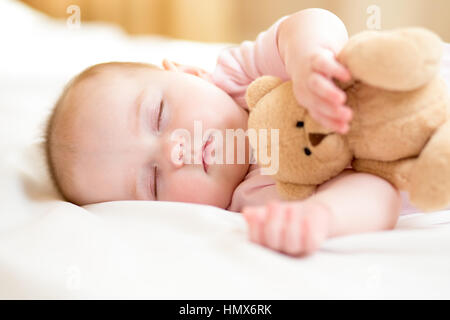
{"type": "Point", "coordinates": [308, 42]}
{"type": "Point", "coordinates": [347, 204]}
{"type": "Point", "coordinates": [301, 47]}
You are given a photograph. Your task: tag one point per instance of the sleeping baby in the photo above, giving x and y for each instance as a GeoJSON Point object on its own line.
{"type": "Point", "coordinates": [111, 136]}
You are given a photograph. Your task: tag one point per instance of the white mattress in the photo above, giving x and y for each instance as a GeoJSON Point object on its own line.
{"type": "Point", "coordinates": [54, 249]}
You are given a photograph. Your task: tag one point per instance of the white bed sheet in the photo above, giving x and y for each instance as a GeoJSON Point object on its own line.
{"type": "Point", "coordinates": [54, 249]}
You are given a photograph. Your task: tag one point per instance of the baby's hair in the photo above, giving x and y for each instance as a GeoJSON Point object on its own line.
{"type": "Point", "coordinates": [49, 146]}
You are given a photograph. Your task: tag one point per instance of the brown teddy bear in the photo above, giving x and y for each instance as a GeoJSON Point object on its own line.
{"type": "Point", "coordinates": [400, 129]}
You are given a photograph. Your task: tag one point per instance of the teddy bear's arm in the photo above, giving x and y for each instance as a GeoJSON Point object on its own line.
{"type": "Point", "coordinates": [430, 179]}
{"type": "Point", "coordinates": [396, 172]}
{"type": "Point", "coordinates": [291, 191]}
{"type": "Point", "coordinates": [426, 177]}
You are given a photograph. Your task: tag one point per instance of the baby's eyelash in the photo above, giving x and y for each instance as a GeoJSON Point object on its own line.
{"type": "Point", "coordinates": [161, 106]}
{"type": "Point", "coordinates": [155, 187]}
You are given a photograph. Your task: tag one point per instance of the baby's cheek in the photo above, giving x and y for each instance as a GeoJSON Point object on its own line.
{"type": "Point", "coordinates": [194, 189]}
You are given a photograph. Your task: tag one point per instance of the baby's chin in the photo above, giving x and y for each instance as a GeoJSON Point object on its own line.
{"type": "Point", "coordinates": [220, 199]}
{"type": "Point", "coordinates": [234, 175]}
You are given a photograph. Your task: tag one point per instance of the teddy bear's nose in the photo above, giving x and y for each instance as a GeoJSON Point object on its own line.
{"type": "Point", "coordinates": [316, 138]}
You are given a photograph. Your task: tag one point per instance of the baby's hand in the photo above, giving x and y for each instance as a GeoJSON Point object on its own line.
{"type": "Point", "coordinates": [294, 228]}
{"type": "Point", "coordinates": [315, 90]}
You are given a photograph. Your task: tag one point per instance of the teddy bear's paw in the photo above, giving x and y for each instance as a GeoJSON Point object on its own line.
{"type": "Point", "coordinates": [430, 178]}
{"type": "Point", "coordinates": [294, 228]}
{"type": "Point", "coordinates": [400, 60]}
{"type": "Point", "coordinates": [292, 191]}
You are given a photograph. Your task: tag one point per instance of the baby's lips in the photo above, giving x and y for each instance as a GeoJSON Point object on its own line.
{"type": "Point", "coordinates": [209, 151]}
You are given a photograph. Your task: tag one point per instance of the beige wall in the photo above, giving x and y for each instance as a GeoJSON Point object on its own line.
{"type": "Point", "coordinates": [433, 14]}
{"type": "Point", "coordinates": [237, 20]}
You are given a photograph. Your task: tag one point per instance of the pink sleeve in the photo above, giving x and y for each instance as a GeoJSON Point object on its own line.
{"type": "Point", "coordinates": [237, 67]}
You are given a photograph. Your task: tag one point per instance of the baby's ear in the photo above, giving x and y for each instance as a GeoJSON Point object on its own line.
{"type": "Point", "coordinates": [259, 88]}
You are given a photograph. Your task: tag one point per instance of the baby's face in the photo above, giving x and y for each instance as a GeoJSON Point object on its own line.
{"type": "Point", "coordinates": [123, 124]}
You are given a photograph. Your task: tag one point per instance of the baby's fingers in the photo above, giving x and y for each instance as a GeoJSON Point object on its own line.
{"type": "Point", "coordinates": [325, 62]}
{"type": "Point", "coordinates": [326, 89]}
{"type": "Point", "coordinates": [294, 241]}
{"type": "Point", "coordinates": [275, 226]}
{"type": "Point", "coordinates": [328, 116]}
{"type": "Point", "coordinates": [267, 224]}
{"type": "Point", "coordinates": [328, 122]}
{"type": "Point", "coordinates": [255, 217]}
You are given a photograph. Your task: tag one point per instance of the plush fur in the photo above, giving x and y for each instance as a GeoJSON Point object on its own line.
{"type": "Point", "coordinates": [400, 130]}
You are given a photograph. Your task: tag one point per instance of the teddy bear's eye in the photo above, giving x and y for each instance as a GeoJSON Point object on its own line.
{"type": "Point", "coordinates": [300, 124]}
{"type": "Point", "coordinates": [307, 151]}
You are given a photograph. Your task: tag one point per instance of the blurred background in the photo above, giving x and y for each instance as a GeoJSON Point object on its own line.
{"type": "Point", "coordinates": [238, 20]}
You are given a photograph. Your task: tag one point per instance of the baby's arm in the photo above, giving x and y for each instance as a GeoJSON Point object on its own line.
{"type": "Point", "coordinates": [349, 203]}
{"type": "Point", "coordinates": [302, 48]}
{"type": "Point", "coordinates": [309, 41]}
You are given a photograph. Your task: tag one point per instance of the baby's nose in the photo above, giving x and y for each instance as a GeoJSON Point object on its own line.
{"type": "Point", "coordinates": [178, 151]}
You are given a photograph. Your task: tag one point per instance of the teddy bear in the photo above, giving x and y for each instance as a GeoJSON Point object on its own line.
{"type": "Point", "coordinates": [400, 128]}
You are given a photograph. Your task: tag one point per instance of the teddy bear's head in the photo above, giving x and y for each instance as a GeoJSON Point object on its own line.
{"type": "Point", "coordinates": [308, 153]}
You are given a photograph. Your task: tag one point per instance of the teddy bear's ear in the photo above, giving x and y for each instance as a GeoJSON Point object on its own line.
{"type": "Point", "coordinates": [399, 60]}
{"type": "Point", "coordinates": [259, 88]}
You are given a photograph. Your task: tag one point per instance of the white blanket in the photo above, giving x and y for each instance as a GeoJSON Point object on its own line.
{"type": "Point", "coordinates": [54, 249]}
